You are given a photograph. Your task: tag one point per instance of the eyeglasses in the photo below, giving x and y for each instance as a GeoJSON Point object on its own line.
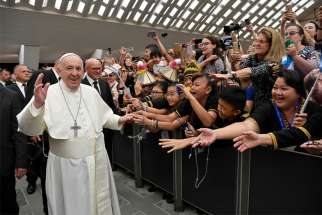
{"type": "Point", "coordinates": [261, 41]}
{"type": "Point", "coordinates": [110, 75]}
{"type": "Point", "coordinates": [204, 44]}
{"type": "Point", "coordinates": [291, 33]}
{"type": "Point", "coordinates": [156, 92]}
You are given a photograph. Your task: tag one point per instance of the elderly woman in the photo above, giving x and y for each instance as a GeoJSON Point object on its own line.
{"type": "Point", "coordinates": [282, 112]}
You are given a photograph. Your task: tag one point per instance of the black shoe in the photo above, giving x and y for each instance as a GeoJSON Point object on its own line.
{"type": "Point", "coordinates": [152, 189]}
{"type": "Point", "coordinates": [31, 189]}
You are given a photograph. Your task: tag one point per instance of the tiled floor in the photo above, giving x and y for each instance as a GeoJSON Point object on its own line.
{"type": "Point", "coordinates": [133, 201]}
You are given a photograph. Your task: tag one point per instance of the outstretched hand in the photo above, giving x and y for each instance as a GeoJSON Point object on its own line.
{"type": "Point", "coordinates": [175, 144]}
{"type": "Point", "coordinates": [247, 140]}
{"type": "Point", "coordinates": [206, 137]}
{"type": "Point", "coordinates": [40, 91]}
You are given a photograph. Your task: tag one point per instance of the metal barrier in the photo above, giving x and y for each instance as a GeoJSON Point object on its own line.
{"type": "Point", "coordinates": [260, 181]}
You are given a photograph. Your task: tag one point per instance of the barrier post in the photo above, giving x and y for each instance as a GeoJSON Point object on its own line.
{"type": "Point", "coordinates": [243, 183]}
{"type": "Point", "coordinates": [177, 175]}
{"type": "Point", "coordinates": [137, 156]}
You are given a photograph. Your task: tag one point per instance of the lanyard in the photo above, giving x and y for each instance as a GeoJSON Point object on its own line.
{"type": "Point", "coordinates": [280, 117]}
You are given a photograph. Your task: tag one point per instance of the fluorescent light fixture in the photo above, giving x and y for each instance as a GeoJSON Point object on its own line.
{"type": "Point", "coordinates": [165, 1]}
{"type": "Point", "coordinates": [120, 13]}
{"type": "Point", "coordinates": [279, 5]}
{"type": "Point", "coordinates": [298, 12]}
{"type": "Point", "coordinates": [69, 5]}
{"type": "Point", "coordinates": [277, 15]}
{"type": "Point", "coordinates": [180, 2]}
{"type": "Point", "coordinates": [191, 25]}
{"type": "Point", "coordinates": [227, 12]}
{"type": "Point", "coordinates": [217, 10]}
{"type": "Point", "coordinates": [16, 1]}
{"type": "Point", "coordinates": [106, 1]}
{"type": "Point", "coordinates": [158, 8]}
{"type": "Point", "coordinates": [254, 9]}
{"type": "Point", "coordinates": [179, 23]}
{"type": "Point", "coordinates": [269, 14]}
{"type": "Point", "coordinates": [111, 12]}
{"type": "Point", "coordinates": [58, 4]}
{"type": "Point", "coordinates": [44, 3]}
{"type": "Point", "coordinates": [212, 29]}
{"type": "Point", "coordinates": [32, 2]}
{"type": "Point", "coordinates": [102, 10]}
{"type": "Point", "coordinates": [209, 19]}
{"type": "Point", "coordinates": [271, 3]}
{"type": "Point", "coordinates": [302, 2]}
{"type": "Point", "coordinates": [152, 18]}
{"type": "Point", "coordinates": [221, 31]}
{"type": "Point", "coordinates": [198, 17]}
{"type": "Point", "coordinates": [275, 24]}
{"type": "Point", "coordinates": [262, 2]}
{"type": "Point", "coordinates": [237, 15]}
{"type": "Point", "coordinates": [309, 4]}
{"type": "Point", "coordinates": [236, 4]}
{"type": "Point", "coordinates": [261, 21]}
{"type": "Point", "coordinates": [269, 22]}
{"type": "Point", "coordinates": [202, 27]}
{"type": "Point", "coordinates": [137, 16]}
{"type": "Point", "coordinates": [194, 4]}
{"type": "Point", "coordinates": [246, 35]}
{"type": "Point", "coordinates": [219, 21]}
{"type": "Point", "coordinates": [143, 5]}
{"type": "Point", "coordinates": [224, 2]}
{"type": "Point", "coordinates": [125, 3]}
{"type": "Point", "coordinates": [151, 7]}
{"type": "Point", "coordinates": [166, 21]}
{"type": "Point", "coordinates": [206, 8]}
{"type": "Point", "coordinates": [133, 6]}
{"type": "Point", "coordinates": [115, 2]}
{"type": "Point", "coordinates": [186, 14]}
{"type": "Point", "coordinates": [254, 19]}
{"type": "Point", "coordinates": [173, 11]}
{"type": "Point", "coordinates": [80, 7]}
{"type": "Point", "coordinates": [91, 9]}
{"type": "Point", "coordinates": [245, 6]}
{"type": "Point", "coordinates": [262, 11]}
{"type": "Point", "coordinates": [145, 17]}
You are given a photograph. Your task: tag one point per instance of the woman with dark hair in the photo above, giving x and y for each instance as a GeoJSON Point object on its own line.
{"type": "Point", "coordinates": [211, 60]}
{"type": "Point", "coordinates": [305, 58]}
{"type": "Point", "coordinates": [312, 29]}
{"type": "Point", "coordinates": [282, 112]}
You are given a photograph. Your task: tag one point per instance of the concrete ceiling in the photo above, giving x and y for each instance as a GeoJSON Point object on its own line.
{"type": "Point", "coordinates": [56, 34]}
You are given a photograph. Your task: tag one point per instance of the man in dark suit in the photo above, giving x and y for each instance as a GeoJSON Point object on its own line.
{"type": "Point", "coordinates": [41, 147]}
{"type": "Point", "coordinates": [5, 77]}
{"type": "Point", "coordinates": [93, 68]}
{"type": "Point", "coordinates": [13, 151]}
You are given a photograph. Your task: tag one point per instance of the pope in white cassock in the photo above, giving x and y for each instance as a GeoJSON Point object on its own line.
{"type": "Point", "coordinates": [79, 178]}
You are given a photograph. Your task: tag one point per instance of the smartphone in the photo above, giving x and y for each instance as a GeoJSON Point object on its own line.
{"type": "Point", "coordinates": [151, 34]}
{"type": "Point", "coordinates": [178, 89]}
{"type": "Point", "coordinates": [288, 42]}
{"type": "Point", "coordinates": [289, 8]}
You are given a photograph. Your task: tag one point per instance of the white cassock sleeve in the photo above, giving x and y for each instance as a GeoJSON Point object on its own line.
{"type": "Point", "coordinates": [31, 120]}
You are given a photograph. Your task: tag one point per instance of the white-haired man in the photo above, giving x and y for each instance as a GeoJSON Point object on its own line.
{"type": "Point", "coordinates": [79, 179]}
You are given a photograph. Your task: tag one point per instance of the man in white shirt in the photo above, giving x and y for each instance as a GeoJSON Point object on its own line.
{"type": "Point", "coordinates": [79, 179]}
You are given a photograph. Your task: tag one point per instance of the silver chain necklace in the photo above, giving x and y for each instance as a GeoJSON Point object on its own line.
{"type": "Point", "coordinates": [74, 127]}
{"type": "Point", "coordinates": [197, 182]}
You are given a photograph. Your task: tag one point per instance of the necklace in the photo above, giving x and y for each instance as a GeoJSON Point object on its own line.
{"type": "Point", "coordinates": [197, 182]}
{"type": "Point", "coordinates": [74, 127]}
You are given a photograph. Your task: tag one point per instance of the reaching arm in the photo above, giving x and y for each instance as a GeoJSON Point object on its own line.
{"type": "Point", "coordinates": [163, 49]}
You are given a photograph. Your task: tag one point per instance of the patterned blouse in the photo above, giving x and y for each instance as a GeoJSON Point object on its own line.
{"type": "Point", "coordinates": [213, 67]}
{"type": "Point", "coordinates": [262, 78]}
{"type": "Point", "coordinates": [308, 53]}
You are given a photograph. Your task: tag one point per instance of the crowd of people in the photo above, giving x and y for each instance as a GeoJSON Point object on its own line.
{"type": "Point", "coordinates": [212, 90]}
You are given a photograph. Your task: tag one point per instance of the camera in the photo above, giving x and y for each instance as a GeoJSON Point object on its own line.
{"type": "Point", "coordinates": [235, 26]}
{"type": "Point", "coordinates": [164, 34]}
{"type": "Point", "coordinates": [151, 34]}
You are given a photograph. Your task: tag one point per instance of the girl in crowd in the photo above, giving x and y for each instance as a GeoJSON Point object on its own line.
{"type": "Point", "coordinates": [199, 105]}
{"type": "Point", "coordinates": [211, 59]}
{"type": "Point", "coordinates": [282, 112]}
{"type": "Point", "coordinates": [312, 28]}
{"type": "Point", "coordinates": [305, 58]}
{"type": "Point", "coordinates": [260, 66]}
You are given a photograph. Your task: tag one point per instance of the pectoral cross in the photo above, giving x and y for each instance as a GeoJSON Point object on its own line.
{"type": "Point", "coordinates": [75, 127]}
